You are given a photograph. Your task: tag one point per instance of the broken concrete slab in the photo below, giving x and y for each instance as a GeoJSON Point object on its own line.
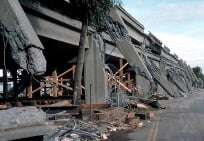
{"type": "Point", "coordinates": [21, 116]}
{"type": "Point", "coordinates": [26, 48]}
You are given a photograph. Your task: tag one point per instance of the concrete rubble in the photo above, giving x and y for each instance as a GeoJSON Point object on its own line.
{"type": "Point", "coordinates": [101, 129]}
{"type": "Point", "coordinates": [23, 122]}
{"type": "Point", "coordinates": [19, 117]}
{"type": "Point", "coordinates": [102, 122]}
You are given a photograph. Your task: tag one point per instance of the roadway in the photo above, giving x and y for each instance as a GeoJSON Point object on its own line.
{"type": "Point", "coordinates": [183, 120]}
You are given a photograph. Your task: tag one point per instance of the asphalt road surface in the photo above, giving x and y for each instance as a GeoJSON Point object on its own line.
{"type": "Point", "coordinates": [183, 120]}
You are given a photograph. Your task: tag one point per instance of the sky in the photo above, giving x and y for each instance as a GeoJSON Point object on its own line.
{"type": "Point", "coordinates": [179, 24]}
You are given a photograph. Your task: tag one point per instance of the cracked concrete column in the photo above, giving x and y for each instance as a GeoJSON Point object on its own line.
{"type": "Point", "coordinates": [94, 72]}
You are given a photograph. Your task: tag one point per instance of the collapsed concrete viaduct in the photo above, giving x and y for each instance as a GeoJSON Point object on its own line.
{"type": "Point", "coordinates": [142, 65]}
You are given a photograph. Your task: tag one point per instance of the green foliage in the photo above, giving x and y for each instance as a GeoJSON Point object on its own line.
{"type": "Point", "coordinates": [93, 11]}
{"type": "Point", "coordinates": [101, 13]}
{"type": "Point", "coordinates": [198, 72]}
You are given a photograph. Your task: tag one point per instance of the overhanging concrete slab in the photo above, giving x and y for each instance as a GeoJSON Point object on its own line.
{"type": "Point", "coordinates": [54, 31]}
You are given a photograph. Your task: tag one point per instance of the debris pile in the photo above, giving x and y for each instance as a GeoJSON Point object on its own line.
{"type": "Point", "coordinates": [75, 130]}
{"type": "Point", "coordinates": [21, 117]}
{"type": "Point", "coordinates": [103, 122]}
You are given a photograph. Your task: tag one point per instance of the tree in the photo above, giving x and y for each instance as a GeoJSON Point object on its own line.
{"type": "Point", "coordinates": [89, 12]}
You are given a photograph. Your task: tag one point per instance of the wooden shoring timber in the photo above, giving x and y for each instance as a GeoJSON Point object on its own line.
{"type": "Point", "coordinates": [120, 72]}
{"type": "Point", "coordinates": [55, 87]}
{"type": "Point", "coordinates": [57, 81]}
{"type": "Point", "coordinates": [52, 81]}
{"type": "Point", "coordinates": [60, 90]}
{"type": "Point", "coordinates": [120, 83]}
{"type": "Point", "coordinates": [123, 85]}
{"type": "Point", "coordinates": [121, 69]}
{"type": "Point", "coordinates": [64, 86]}
{"type": "Point", "coordinates": [38, 89]}
{"type": "Point", "coordinates": [67, 71]}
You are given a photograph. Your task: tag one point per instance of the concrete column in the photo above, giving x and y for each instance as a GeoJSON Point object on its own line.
{"type": "Point", "coordinates": [94, 72]}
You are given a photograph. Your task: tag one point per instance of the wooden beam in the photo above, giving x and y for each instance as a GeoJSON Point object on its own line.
{"type": "Point", "coordinates": [59, 81]}
{"type": "Point", "coordinates": [55, 87]}
{"type": "Point", "coordinates": [39, 88]}
{"type": "Point", "coordinates": [121, 69]}
{"type": "Point", "coordinates": [54, 83]}
{"type": "Point", "coordinates": [59, 84]}
{"type": "Point", "coordinates": [67, 71]}
{"type": "Point", "coordinates": [123, 86]}
{"type": "Point", "coordinates": [120, 83]}
{"type": "Point", "coordinates": [60, 92]}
